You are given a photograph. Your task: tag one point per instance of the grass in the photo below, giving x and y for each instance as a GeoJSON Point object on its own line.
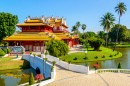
{"type": "Point", "coordinates": [122, 44]}
{"type": "Point", "coordinates": [91, 54]}
{"type": "Point", "coordinates": [8, 63]}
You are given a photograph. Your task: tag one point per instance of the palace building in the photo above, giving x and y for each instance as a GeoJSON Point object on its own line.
{"type": "Point", "coordinates": [38, 30]}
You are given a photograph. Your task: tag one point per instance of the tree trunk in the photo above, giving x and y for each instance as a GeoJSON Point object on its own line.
{"type": "Point", "coordinates": [83, 33]}
{"type": "Point", "coordinates": [117, 33]}
{"type": "Point", "coordinates": [106, 38]}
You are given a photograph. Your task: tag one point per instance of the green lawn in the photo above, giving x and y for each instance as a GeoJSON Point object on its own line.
{"type": "Point", "coordinates": [122, 44]}
{"type": "Point", "coordinates": [6, 63]}
{"type": "Point", "coordinates": [91, 54]}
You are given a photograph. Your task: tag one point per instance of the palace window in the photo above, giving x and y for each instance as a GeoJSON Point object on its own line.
{"type": "Point", "coordinates": [33, 27]}
{"type": "Point", "coordinates": [42, 27]}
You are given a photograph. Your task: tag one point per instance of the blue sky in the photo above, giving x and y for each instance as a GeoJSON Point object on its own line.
{"type": "Point", "coordinates": [86, 11]}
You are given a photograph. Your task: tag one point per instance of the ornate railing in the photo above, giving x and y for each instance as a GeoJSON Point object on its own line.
{"type": "Point", "coordinates": [113, 71]}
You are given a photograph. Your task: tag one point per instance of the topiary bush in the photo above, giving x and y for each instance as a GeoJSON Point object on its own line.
{"type": "Point", "coordinates": [103, 56]}
{"type": "Point", "coordinates": [117, 52]}
{"type": "Point", "coordinates": [2, 53]}
{"type": "Point", "coordinates": [31, 79]}
{"type": "Point", "coordinates": [119, 66]}
{"type": "Point", "coordinates": [75, 58]}
{"type": "Point", "coordinates": [8, 50]}
{"type": "Point", "coordinates": [96, 57]}
{"type": "Point", "coordinates": [111, 56]}
{"type": "Point", "coordinates": [96, 42]}
{"type": "Point", "coordinates": [63, 59]}
{"type": "Point", "coordinates": [54, 62]}
{"type": "Point", "coordinates": [5, 50]}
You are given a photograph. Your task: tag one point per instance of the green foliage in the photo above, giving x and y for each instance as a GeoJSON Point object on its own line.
{"type": "Point", "coordinates": [96, 57]}
{"type": "Point", "coordinates": [52, 67]}
{"type": "Point", "coordinates": [34, 54]}
{"type": "Point", "coordinates": [30, 53]}
{"type": "Point", "coordinates": [117, 52]}
{"type": "Point", "coordinates": [111, 56]}
{"type": "Point", "coordinates": [123, 33]}
{"type": "Point", "coordinates": [54, 62]}
{"type": "Point", "coordinates": [119, 66]}
{"type": "Point", "coordinates": [63, 59]}
{"type": "Point", "coordinates": [5, 50]}
{"type": "Point", "coordinates": [69, 62]}
{"type": "Point", "coordinates": [7, 24]}
{"type": "Point", "coordinates": [46, 53]}
{"type": "Point", "coordinates": [2, 53]}
{"type": "Point", "coordinates": [31, 79]}
{"type": "Point", "coordinates": [8, 50]}
{"type": "Point", "coordinates": [103, 56]}
{"type": "Point", "coordinates": [22, 52]}
{"type": "Point", "coordinates": [75, 58]}
{"type": "Point", "coordinates": [101, 34]}
{"type": "Point", "coordinates": [45, 59]}
{"type": "Point", "coordinates": [74, 28]}
{"type": "Point", "coordinates": [95, 42]}
{"type": "Point", "coordinates": [57, 48]}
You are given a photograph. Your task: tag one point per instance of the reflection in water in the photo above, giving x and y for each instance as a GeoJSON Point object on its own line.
{"type": "Point", "coordinates": [125, 60]}
{"type": "Point", "coordinates": [14, 77]}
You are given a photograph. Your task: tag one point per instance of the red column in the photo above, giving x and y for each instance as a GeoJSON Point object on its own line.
{"type": "Point", "coordinates": [15, 43]}
{"type": "Point", "coordinates": [20, 43]}
{"type": "Point", "coordinates": [40, 46]}
{"type": "Point", "coordinates": [35, 46]}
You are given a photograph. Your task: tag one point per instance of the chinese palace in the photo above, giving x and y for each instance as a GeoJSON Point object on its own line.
{"type": "Point", "coordinates": [38, 30]}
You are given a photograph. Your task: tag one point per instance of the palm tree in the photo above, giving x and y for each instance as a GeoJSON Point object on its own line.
{"type": "Point", "coordinates": [74, 28]}
{"type": "Point", "coordinates": [78, 25]}
{"type": "Point", "coordinates": [107, 23]}
{"type": "Point", "coordinates": [83, 27]}
{"type": "Point", "coordinates": [120, 8]}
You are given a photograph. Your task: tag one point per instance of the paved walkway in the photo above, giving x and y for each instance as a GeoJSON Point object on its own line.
{"type": "Point", "coordinates": [69, 78]}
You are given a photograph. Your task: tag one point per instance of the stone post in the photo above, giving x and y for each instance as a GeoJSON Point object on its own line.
{"type": "Point", "coordinates": [87, 69]}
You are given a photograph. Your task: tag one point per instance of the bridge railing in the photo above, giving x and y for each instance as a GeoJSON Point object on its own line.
{"type": "Point", "coordinates": [113, 71]}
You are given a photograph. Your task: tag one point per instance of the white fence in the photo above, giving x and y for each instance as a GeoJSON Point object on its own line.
{"type": "Point", "coordinates": [113, 71]}
{"type": "Point", "coordinates": [72, 67]}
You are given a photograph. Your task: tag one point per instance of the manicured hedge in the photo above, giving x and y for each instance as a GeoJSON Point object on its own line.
{"type": "Point", "coordinates": [5, 50]}
{"type": "Point", "coordinates": [2, 53]}
{"type": "Point", "coordinates": [8, 50]}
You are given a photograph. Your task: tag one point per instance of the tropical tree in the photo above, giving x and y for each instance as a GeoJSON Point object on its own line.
{"type": "Point", "coordinates": [7, 24]}
{"type": "Point", "coordinates": [74, 28]}
{"type": "Point", "coordinates": [107, 23]}
{"type": "Point", "coordinates": [120, 8]}
{"type": "Point", "coordinates": [78, 25]}
{"type": "Point", "coordinates": [83, 27]}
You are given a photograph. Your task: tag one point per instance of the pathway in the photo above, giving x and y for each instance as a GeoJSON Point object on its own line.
{"type": "Point", "coordinates": [69, 78]}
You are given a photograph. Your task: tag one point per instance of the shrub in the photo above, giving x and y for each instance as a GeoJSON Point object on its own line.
{"type": "Point", "coordinates": [30, 53]}
{"type": "Point", "coordinates": [45, 59]}
{"type": "Point", "coordinates": [96, 57]}
{"type": "Point", "coordinates": [52, 67]}
{"type": "Point", "coordinates": [2, 53]}
{"type": "Point", "coordinates": [22, 52]}
{"type": "Point", "coordinates": [103, 56]}
{"type": "Point", "coordinates": [117, 52]}
{"type": "Point", "coordinates": [69, 62]}
{"type": "Point", "coordinates": [96, 42]}
{"type": "Point", "coordinates": [46, 53]}
{"type": "Point", "coordinates": [34, 54]}
{"type": "Point", "coordinates": [31, 79]}
{"type": "Point", "coordinates": [54, 62]}
{"type": "Point", "coordinates": [57, 48]}
{"type": "Point", "coordinates": [119, 66]}
{"type": "Point", "coordinates": [85, 58]}
{"type": "Point", "coordinates": [111, 56]}
{"type": "Point", "coordinates": [8, 50]}
{"type": "Point", "coordinates": [63, 59]}
{"type": "Point", "coordinates": [5, 50]}
{"type": "Point", "coordinates": [75, 58]}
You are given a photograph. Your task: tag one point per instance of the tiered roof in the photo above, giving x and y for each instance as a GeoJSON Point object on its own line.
{"type": "Point", "coordinates": [42, 21]}
{"type": "Point", "coordinates": [39, 36]}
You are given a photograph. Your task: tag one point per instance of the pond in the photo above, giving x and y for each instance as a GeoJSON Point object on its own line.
{"type": "Point", "coordinates": [12, 77]}
{"type": "Point", "coordinates": [125, 60]}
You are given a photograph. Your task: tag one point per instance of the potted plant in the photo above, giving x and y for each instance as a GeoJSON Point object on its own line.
{"type": "Point", "coordinates": [39, 77]}
{"type": "Point", "coordinates": [54, 62]}
{"type": "Point", "coordinates": [52, 67]}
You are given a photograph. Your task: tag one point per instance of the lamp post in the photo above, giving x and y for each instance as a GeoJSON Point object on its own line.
{"type": "Point", "coordinates": [17, 50]}
{"type": "Point", "coordinates": [43, 65]}
{"type": "Point", "coordinates": [86, 57]}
